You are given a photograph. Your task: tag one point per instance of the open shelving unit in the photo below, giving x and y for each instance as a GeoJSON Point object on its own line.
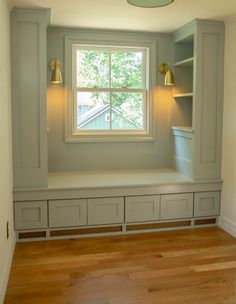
{"type": "Point", "coordinates": [183, 91]}
{"type": "Point", "coordinates": [196, 123]}
{"type": "Point", "coordinates": [182, 107]}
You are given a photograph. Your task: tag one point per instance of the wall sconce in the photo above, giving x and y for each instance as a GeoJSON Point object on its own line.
{"type": "Point", "coordinates": [164, 69]}
{"type": "Point", "coordinates": [55, 66]}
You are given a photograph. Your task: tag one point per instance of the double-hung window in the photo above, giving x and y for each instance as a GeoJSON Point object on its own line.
{"type": "Point", "coordinates": [110, 93]}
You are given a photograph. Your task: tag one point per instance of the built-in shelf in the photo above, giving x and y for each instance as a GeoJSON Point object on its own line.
{"type": "Point", "coordinates": [188, 62]}
{"type": "Point", "coordinates": [183, 95]}
{"type": "Point", "coordinates": [183, 128]}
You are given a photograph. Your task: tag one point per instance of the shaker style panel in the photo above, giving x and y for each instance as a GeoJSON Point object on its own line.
{"type": "Point", "coordinates": [103, 211]}
{"type": "Point", "coordinates": [68, 213]}
{"type": "Point", "coordinates": [176, 206]}
{"type": "Point", "coordinates": [31, 215]}
{"type": "Point", "coordinates": [206, 204]}
{"type": "Point", "coordinates": [142, 208]}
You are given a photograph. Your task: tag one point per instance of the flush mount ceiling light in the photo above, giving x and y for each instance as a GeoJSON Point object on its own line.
{"type": "Point", "coordinates": [150, 3]}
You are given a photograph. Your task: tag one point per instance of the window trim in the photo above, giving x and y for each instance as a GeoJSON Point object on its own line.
{"type": "Point", "coordinates": [106, 39]}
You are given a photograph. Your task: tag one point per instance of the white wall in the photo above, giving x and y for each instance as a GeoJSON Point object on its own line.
{"type": "Point", "coordinates": [228, 212]}
{"type": "Point", "coordinates": [6, 210]}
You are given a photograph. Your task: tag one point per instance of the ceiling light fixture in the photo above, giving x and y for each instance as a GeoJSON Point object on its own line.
{"type": "Point", "coordinates": [150, 3]}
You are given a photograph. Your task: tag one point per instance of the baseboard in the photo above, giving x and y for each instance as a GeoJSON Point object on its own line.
{"type": "Point", "coordinates": [3, 288]}
{"type": "Point", "coordinates": [227, 225]}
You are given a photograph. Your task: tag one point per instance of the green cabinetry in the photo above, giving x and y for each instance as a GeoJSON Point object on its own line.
{"type": "Point", "coordinates": [198, 98]}
{"type": "Point", "coordinates": [29, 120]}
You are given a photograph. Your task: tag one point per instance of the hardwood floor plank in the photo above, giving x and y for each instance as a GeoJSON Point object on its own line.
{"type": "Point", "coordinates": [194, 266]}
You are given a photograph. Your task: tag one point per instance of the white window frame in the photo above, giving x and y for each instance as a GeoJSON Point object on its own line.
{"type": "Point", "coordinates": [148, 133]}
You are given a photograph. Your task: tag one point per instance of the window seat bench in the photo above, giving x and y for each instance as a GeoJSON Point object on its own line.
{"type": "Point", "coordinates": [81, 204]}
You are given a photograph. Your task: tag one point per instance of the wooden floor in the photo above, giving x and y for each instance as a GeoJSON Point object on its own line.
{"type": "Point", "coordinates": [197, 266]}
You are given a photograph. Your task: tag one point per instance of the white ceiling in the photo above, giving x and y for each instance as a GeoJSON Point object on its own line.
{"type": "Point", "coordinates": [118, 14]}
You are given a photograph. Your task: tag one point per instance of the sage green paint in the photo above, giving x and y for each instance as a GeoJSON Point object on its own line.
{"type": "Point", "coordinates": [108, 156]}
{"type": "Point", "coordinates": [28, 56]}
{"type": "Point", "coordinates": [204, 41]}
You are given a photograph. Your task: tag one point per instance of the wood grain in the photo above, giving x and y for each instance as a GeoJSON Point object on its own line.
{"type": "Point", "coordinates": [175, 267]}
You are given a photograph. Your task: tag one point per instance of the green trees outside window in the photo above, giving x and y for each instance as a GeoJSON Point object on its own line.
{"type": "Point", "coordinates": [110, 88]}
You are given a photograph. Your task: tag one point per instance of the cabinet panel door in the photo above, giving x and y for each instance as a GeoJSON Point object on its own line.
{"type": "Point", "coordinates": [29, 93]}
{"type": "Point", "coordinates": [105, 211]}
{"type": "Point", "coordinates": [176, 206]}
{"type": "Point", "coordinates": [206, 203]}
{"type": "Point", "coordinates": [31, 215]}
{"type": "Point", "coordinates": [67, 213]}
{"type": "Point", "coordinates": [142, 208]}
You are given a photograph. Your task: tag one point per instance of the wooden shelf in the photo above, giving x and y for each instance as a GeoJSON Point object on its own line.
{"type": "Point", "coordinates": [185, 63]}
{"type": "Point", "coordinates": [183, 95]}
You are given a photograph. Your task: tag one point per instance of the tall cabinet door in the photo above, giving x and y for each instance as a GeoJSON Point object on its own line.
{"type": "Point", "coordinates": [209, 99]}
{"type": "Point", "coordinates": [29, 83]}
{"type": "Point", "coordinates": [198, 97]}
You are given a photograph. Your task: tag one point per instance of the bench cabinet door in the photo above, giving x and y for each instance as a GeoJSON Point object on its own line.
{"type": "Point", "coordinates": [142, 208]}
{"type": "Point", "coordinates": [206, 204]}
{"type": "Point", "coordinates": [176, 206]}
{"type": "Point", "coordinates": [67, 213]}
{"type": "Point", "coordinates": [31, 215]}
{"type": "Point", "coordinates": [103, 211]}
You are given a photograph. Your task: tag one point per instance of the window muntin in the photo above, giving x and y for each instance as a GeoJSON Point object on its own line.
{"type": "Point", "coordinates": [109, 82]}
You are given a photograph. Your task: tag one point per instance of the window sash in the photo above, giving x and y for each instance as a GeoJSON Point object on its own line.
{"type": "Point", "coordinates": [109, 49]}
{"type": "Point", "coordinates": [109, 89]}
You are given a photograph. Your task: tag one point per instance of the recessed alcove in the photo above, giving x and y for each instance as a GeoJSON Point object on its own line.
{"type": "Point", "coordinates": [160, 180]}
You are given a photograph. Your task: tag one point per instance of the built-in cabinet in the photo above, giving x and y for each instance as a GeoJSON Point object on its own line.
{"type": "Point", "coordinates": [132, 213]}
{"type": "Point", "coordinates": [198, 49]}
{"type": "Point", "coordinates": [142, 208]}
{"type": "Point", "coordinates": [207, 203]}
{"type": "Point", "coordinates": [198, 99]}
{"type": "Point", "coordinates": [105, 210]}
{"type": "Point", "coordinates": [67, 213]}
{"type": "Point", "coordinates": [31, 215]}
{"type": "Point", "coordinates": [176, 206]}
{"type": "Point", "coordinates": [29, 87]}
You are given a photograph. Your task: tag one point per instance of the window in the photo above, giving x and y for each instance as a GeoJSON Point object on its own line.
{"type": "Point", "coordinates": [110, 88]}
{"type": "Point", "coordinates": [109, 82]}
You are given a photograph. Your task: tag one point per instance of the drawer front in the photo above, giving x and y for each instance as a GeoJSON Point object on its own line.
{"type": "Point", "coordinates": [31, 215]}
{"type": "Point", "coordinates": [142, 208]}
{"type": "Point", "coordinates": [103, 211]}
{"type": "Point", "coordinates": [176, 206]}
{"type": "Point", "coordinates": [67, 213]}
{"type": "Point", "coordinates": [206, 204]}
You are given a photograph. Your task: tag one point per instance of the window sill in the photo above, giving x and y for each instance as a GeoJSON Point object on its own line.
{"type": "Point", "coordinates": [117, 137]}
